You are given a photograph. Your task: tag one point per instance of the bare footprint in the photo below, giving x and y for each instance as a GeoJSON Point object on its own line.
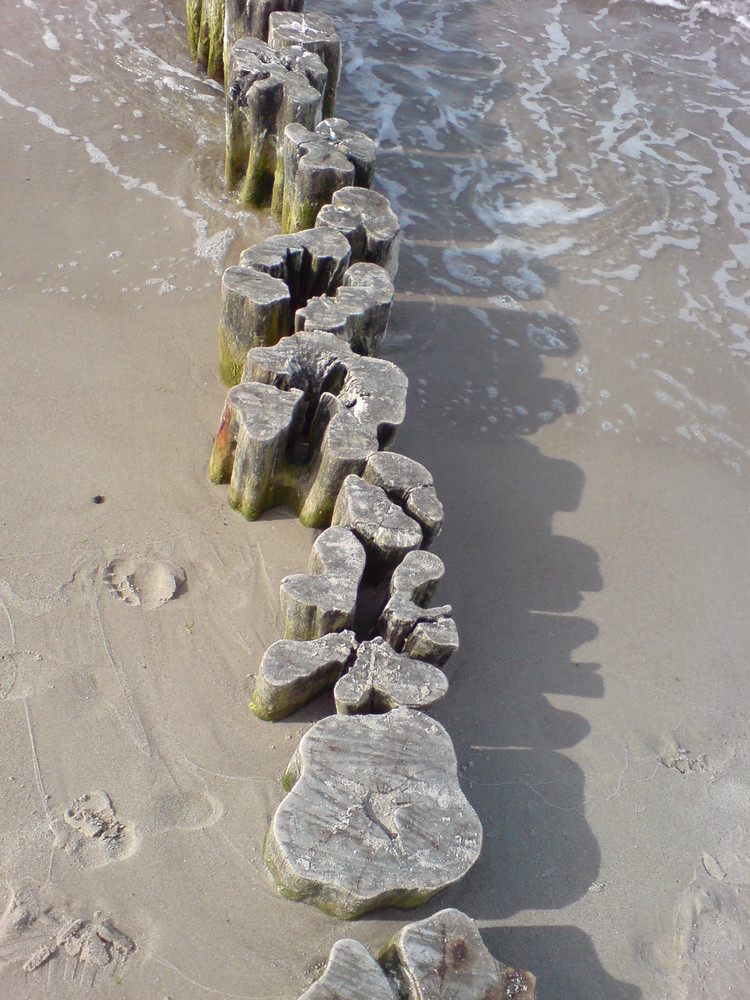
{"type": "Point", "coordinates": [712, 936]}
{"type": "Point", "coordinates": [72, 945]}
{"type": "Point", "coordinates": [705, 955]}
{"type": "Point", "coordinates": [17, 921]}
{"type": "Point", "coordinates": [91, 832]}
{"type": "Point", "coordinates": [144, 582]}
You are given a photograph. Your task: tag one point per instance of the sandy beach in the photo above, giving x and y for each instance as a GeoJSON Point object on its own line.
{"type": "Point", "coordinates": [577, 348]}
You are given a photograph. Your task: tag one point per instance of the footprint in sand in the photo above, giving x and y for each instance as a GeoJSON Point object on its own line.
{"type": "Point", "coordinates": [148, 583]}
{"type": "Point", "coordinates": [36, 935]}
{"type": "Point", "coordinates": [712, 938]}
{"type": "Point", "coordinates": [20, 914]}
{"type": "Point", "coordinates": [706, 953]}
{"type": "Point", "coordinates": [91, 832]}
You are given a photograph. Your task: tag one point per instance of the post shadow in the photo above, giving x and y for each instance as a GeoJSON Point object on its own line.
{"type": "Point", "coordinates": [469, 330]}
{"type": "Point", "coordinates": [563, 959]}
{"type": "Point", "coordinates": [515, 587]}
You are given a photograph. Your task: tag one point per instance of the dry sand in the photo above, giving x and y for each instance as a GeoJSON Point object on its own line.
{"type": "Point", "coordinates": [599, 580]}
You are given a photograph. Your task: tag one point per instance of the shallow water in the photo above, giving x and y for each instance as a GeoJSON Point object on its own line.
{"type": "Point", "coordinates": [583, 167]}
{"type": "Point", "coordinates": [573, 312]}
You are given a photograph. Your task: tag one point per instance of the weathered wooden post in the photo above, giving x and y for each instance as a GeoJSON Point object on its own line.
{"type": "Point", "coordinates": [266, 91]}
{"type": "Point", "coordinates": [316, 165]}
{"type": "Point", "coordinates": [315, 33]}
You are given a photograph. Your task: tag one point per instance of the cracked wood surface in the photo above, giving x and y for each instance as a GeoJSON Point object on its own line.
{"type": "Point", "coordinates": [444, 958]}
{"type": "Point", "coordinates": [380, 680]}
{"type": "Point", "coordinates": [266, 90]}
{"type": "Point", "coordinates": [369, 224]}
{"type": "Point", "coordinates": [385, 531]}
{"type": "Point", "coordinates": [358, 312]}
{"type": "Point", "coordinates": [422, 633]}
{"type": "Point", "coordinates": [351, 974]}
{"type": "Point", "coordinates": [409, 484]}
{"type": "Point", "coordinates": [375, 815]}
{"type": "Point", "coordinates": [324, 599]}
{"type": "Point", "coordinates": [317, 164]}
{"type": "Point", "coordinates": [292, 673]}
{"type": "Point", "coordinates": [315, 33]}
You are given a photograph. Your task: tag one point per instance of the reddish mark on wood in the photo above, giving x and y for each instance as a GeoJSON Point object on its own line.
{"type": "Point", "coordinates": [222, 438]}
{"type": "Point", "coordinates": [459, 952]}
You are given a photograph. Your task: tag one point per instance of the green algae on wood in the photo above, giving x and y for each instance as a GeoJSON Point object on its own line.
{"type": "Point", "coordinates": [249, 18]}
{"type": "Point", "coordinates": [293, 672]}
{"type": "Point", "coordinates": [255, 312]}
{"type": "Point", "coordinates": [209, 50]}
{"type": "Point", "coordinates": [193, 12]}
{"type": "Point", "coordinates": [298, 445]}
{"type": "Point", "coordinates": [265, 91]}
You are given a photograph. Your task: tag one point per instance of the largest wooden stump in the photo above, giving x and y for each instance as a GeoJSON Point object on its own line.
{"type": "Point", "coordinates": [375, 816]}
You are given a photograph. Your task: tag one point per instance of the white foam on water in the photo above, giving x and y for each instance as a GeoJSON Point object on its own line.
{"type": "Point", "coordinates": [11, 100]}
{"type": "Point", "coordinates": [630, 272]}
{"type": "Point", "coordinates": [650, 252]}
{"type": "Point", "coordinates": [673, 4]}
{"type": "Point", "coordinates": [545, 212]}
{"type": "Point", "coordinates": [458, 267]}
{"type": "Point", "coordinates": [395, 192]}
{"type": "Point", "coordinates": [110, 25]}
{"type": "Point", "coordinates": [361, 70]}
{"type": "Point", "coordinates": [214, 248]}
{"type": "Point", "coordinates": [525, 284]}
{"type": "Point", "coordinates": [388, 18]}
{"type": "Point", "coordinates": [496, 249]}
{"type": "Point", "coordinates": [51, 40]}
{"type": "Point", "coordinates": [15, 55]}
{"type": "Point", "coordinates": [544, 338]}
{"type": "Point", "coordinates": [47, 121]}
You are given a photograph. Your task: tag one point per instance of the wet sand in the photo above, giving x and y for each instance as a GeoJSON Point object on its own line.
{"type": "Point", "coordinates": [587, 429]}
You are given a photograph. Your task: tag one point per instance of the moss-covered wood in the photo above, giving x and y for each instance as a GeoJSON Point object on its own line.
{"type": "Point", "coordinates": [255, 312]}
{"type": "Point", "coordinates": [293, 672]}
{"type": "Point", "coordinates": [249, 18]}
{"type": "Point", "coordinates": [265, 91]}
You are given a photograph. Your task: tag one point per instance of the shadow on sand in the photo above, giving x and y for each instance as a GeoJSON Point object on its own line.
{"type": "Point", "coordinates": [469, 329]}
{"type": "Point", "coordinates": [515, 586]}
